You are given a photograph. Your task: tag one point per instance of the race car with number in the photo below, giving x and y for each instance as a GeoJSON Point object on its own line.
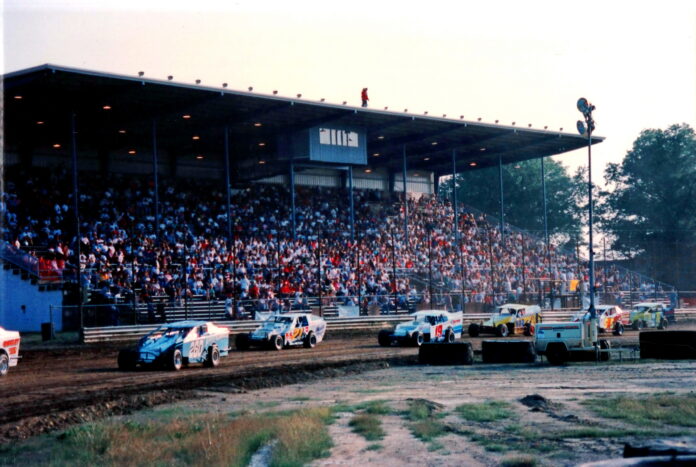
{"type": "Point", "coordinates": [9, 350]}
{"type": "Point", "coordinates": [426, 326]}
{"type": "Point", "coordinates": [610, 318]}
{"type": "Point", "coordinates": [509, 319]}
{"type": "Point", "coordinates": [175, 345]}
{"type": "Point", "coordinates": [285, 330]}
{"type": "Point", "coordinates": [648, 315]}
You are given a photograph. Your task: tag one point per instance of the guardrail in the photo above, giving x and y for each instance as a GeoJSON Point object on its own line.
{"type": "Point", "coordinates": [131, 333]}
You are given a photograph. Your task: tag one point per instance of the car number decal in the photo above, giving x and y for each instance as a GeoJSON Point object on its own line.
{"type": "Point", "coordinates": [196, 349]}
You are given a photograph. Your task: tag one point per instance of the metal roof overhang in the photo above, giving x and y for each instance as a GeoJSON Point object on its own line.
{"type": "Point", "coordinates": [51, 94]}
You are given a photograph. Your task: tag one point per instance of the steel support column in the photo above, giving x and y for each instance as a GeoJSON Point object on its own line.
{"type": "Point", "coordinates": [403, 177]}
{"type": "Point", "coordinates": [352, 204]}
{"type": "Point", "coordinates": [502, 199]}
{"type": "Point", "coordinates": [292, 199]}
{"type": "Point", "coordinates": [76, 201]}
{"type": "Point", "coordinates": [546, 219]}
{"type": "Point", "coordinates": [155, 170]}
{"type": "Point", "coordinates": [457, 236]}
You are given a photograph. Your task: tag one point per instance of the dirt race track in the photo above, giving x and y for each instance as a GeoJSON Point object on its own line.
{"type": "Point", "coordinates": [51, 389]}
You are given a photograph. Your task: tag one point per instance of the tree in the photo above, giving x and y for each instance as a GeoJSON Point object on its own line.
{"type": "Point", "coordinates": [649, 206]}
{"type": "Point", "coordinates": [522, 190]}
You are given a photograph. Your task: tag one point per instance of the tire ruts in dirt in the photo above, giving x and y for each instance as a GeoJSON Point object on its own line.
{"type": "Point", "coordinates": [668, 345]}
{"type": "Point", "coordinates": [457, 353]}
{"type": "Point", "coordinates": [508, 351]}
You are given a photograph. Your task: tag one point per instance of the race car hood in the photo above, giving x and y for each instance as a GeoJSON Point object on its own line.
{"type": "Point", "coordinates": [410, 328]}
{"type": "Point", "coordinates": [159, 345]}
{"type": "Point", "coordinates": [498, 318]}
{"type": "Point", "coordinates": [270, 328]}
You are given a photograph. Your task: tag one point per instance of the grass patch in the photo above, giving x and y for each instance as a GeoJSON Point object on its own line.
{"type": "Point", "coordinates": [377, 407]}
{"type": "Point", "coordinates": [424, 417]}
{"type": "Point", "coordinates": [368, 426]}
{"type": "Point", "coordinates": [486, 412]}
{"type": "Point", "coordinates": [300, 437]}
{"type": "Point", "coordinates": [300, 399]}
{"type": "Point", "coordinates": [374, 447]}
{"type": "Point", "coordinates": [662, 409]}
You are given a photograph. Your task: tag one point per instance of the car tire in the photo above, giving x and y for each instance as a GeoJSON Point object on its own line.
{"type": "Point", "coordinates": [604, 345]}
{"type": "Point", "coordinates": [384, 338]}
{"type": "Point", "coordinates": [310, 341]}
{"type": "Point", "coordinates": [449, 336]}
{"type": "Point", "coordinates": [177, 360]}
{"type": "Point", "coordinates": [277, 342]}
{"type": "Point", "coordinates": [126, 360]}
{"type": "Point", "coordinates": [417, 339]}
{"type": "Point", "coordinates": [474, 330]}
{"type": "Point", "coordinates": [501, 330]}
{"type": "Point", "coordinates": [528, 329]}
{"type": "Point", "coordinates": [213, 358]}
{"type": "Point", "coordinates": [242, 342]}
{"type": "Point", "coordinates": [557, 355]}
{"type": "Point", "coordinates": [4, 364]}
{"type": "Point", "coordinates": [618, 329]}
{"type": "Point", "coordinates": [636, 325]}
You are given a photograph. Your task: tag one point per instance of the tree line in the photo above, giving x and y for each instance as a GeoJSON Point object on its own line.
{"type": "Point", "coordinates": [645, 210]}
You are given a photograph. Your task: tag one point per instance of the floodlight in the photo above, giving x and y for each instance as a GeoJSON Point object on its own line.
{"type": "Point", "coordinates": [251, 88]}
{"type": "Point", "coordinates": [224, 85]}
{"type": "Point", "coordinates": [198, 81]}
{"type": "Point", "coordinates": [581, 127]}
{"type": "Point", "coordinates": [583, 105]}
{"type": "Point", "coordinates": [299, 95]}
{"type": "Point", "coordinates": [170, 77]}
{"type": "Point", "coordinates": [141, 73]}
{"type": "Point", "coordinates": [275, 91]}
{"type": "Point", "coordinates": [322, 99]}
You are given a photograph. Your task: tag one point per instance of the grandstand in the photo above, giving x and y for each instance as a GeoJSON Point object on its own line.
{"type": "Point", "coordinates": [182, 200]}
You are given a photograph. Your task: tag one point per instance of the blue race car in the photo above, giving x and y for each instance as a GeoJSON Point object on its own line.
{"type": "Point", "coordinates": [174, 345]}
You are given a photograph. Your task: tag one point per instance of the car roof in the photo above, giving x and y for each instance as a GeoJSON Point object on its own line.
{"type": "Point", "coordinates": [186, 324]}
{"type": "Point", "coordinates": [648, 304]}
{"type": "Point", "coordinates": [429, 312]}
{"type": "Point", "coordinates": [514, 305]}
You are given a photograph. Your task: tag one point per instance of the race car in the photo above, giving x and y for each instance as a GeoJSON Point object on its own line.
{"type": "Point", "coordinates": [285, 330]}
{"type": "Point", "coordinates": [9, 350]}
{"type": "Point", "coordinates": [509, 319]}
{"type": "Point", "coordinates": [427, 326]}
{"type": "Point", "coordinates": [174, 345]}
{"type": "Point", "coordinates": [610, 318]}
{"type": "Point", "coordinates": [648, 315]}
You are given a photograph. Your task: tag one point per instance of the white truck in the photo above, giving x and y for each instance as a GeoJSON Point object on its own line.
{"type": "Point", "coordinates": [576, 341]}
{"type": "Point", "coordinates": [9, 350]}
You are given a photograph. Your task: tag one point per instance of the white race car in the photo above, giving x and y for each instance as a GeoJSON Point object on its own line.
{"type": "Point", "coordinates": [285, 330]}
{"type": "Point", "coordinates": [9, 350]}
{"type": "Point", "coordinates": [610, 318]}
{"type": "Point", "coordinates": [427, 326]}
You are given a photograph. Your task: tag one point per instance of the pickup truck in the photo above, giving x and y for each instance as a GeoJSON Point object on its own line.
{"type": "Point", "coordinates": [574, 340]}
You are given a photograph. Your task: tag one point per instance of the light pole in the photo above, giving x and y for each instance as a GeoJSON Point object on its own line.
{"type": "Point", "coordinates": [588, 127]}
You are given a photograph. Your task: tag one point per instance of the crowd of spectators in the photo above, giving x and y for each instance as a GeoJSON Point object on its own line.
{"type": "Point", "coordinates": [127, 251]}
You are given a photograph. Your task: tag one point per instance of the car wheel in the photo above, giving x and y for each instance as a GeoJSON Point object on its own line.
{"type": "Point", "coordinates": [126, 360]}
{"type": "Point", "coordinates": [242, 342]}
{"type": "Point", "coordinates": [449, 336]}
{"type": "Point", "coordinates": [213, 358]}
{"type": "Point", "coordinates": [277, 342]}
{"type": "Point", "coordinates": [310, 341]}
{"type": "Point", "coordinates": [4, 364]}
{"type": "Point", "coordinates": [604, 345]}
{"type": "Point", "coordinates": [474, 330]}
{"type": "Point", "coordinates": [384, 338]}
{"type": "Point", "coordinates": [618, 329]}
{"type": "Point", "coordinates": [557, 355]}
{"type": "Point", "coordinates": [636, 325]}
{"type": "Point", "coordinates": [501, 330]}
{"type": "Point", "coordinates": [527, 329]}
{"type": "Point", "coordinates": [417, 339]}
{"type": "Point", "coordinates": [177, 360]}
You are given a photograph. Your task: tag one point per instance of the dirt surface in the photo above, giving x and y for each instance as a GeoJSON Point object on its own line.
{"type": "Point", "coordinates": [53, 388]}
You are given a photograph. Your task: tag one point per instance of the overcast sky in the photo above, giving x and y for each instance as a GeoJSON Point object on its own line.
{"type": "Point", "coordinates": [523, 61]}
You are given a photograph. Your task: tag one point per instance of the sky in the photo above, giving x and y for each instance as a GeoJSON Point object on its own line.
{"type": "Point", "coordinates": [512, 61]}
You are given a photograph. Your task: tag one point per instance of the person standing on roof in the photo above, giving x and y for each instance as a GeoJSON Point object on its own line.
{"type": "Point", "coordinates": [363, 96]}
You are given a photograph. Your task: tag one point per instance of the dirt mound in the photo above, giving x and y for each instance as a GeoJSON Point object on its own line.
{"type": "Point", "coordinates": [538, 403]}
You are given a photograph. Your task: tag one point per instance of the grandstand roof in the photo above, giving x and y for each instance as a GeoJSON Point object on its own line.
{"type": "Point", "coordinates": [115, 113]}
